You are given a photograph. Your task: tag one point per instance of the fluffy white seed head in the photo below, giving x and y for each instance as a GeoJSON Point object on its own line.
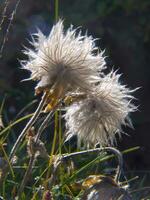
{"type": "Point", "coordinates": [64, 58]}
{"type": "Point", "coordinates": [98, 118]}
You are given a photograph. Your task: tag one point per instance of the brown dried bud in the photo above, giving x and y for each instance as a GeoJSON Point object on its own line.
{"type": "Point", "coordinates": [103, 188]}
{"type": "Point", "coordinates": [36, 148]}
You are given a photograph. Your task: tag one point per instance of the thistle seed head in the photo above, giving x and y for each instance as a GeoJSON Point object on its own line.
{"type": "Point", "coordinates": [65, 60]}
{"type": "Point", "coordinates": [99, 117]}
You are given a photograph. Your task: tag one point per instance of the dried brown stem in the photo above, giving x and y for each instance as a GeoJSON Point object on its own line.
{"type": "Point", "coordinates": [26, 176]}
{"type": "Point", "coordinates": [33, 157]}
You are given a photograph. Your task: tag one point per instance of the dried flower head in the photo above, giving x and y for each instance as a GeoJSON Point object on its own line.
{"type": "Point", "coordinates": [103, 187]}
{"type": "Point", "coordinates": [63, 61]}
{"type": "Point", "coordinates": [100, 116]}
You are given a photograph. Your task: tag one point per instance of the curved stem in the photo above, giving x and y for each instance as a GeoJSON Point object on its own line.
{"type": "Point", "coordinates": [110, 149]}
{"type": "Point", "coordinates": [27, 127]}
{"type": "Point", "coordinates": [65, 157]}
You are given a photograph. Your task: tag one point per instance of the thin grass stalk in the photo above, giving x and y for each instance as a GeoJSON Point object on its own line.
{"type": "Point", "coordinates": [55, 135]}
{"type": "Point", "coordinates": [9, 26]}
{"type": "Point", "coordinates": [6, 3]}
{"type": "Point", "coordinates": [60, 131]}
{"type": "Point", "coordinates": [28, 126]}
{"type": "Point", "coordinates": [4, 189]}
{"type": "Point", "coordinates": [33, 157]}
{"type": "Point", "coordinates": [53, 149]}
{"type": "Point", "coordinates": [140, 189]}
{"type": "Point", "coordinates": [7, 159]}
{"type": "Point", "coordinates": [44, 125]}
{"type": "Point", "coordinates": [41, 175]}
{"type": "Point", "coordinates": [25, 108]}
{"type": "Point", "coordinates": [26, 176]}
{"type": "Point", "coordinates": [6, 169]}
{"type": "Point", "coordinates": [2, 105]}
{"type": "Point", "coordinates": [56, 9]}
{"type": "Point", "coordinates": [11, 125]}
{"type": "Point", "coordinates": [1, 110]}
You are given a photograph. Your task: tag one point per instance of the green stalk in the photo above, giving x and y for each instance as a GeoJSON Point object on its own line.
{"type": "Point", "coordinates": [56, 10]}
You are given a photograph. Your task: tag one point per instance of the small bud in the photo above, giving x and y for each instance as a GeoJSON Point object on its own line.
{"type": "Point", "coordinates": [36, 148]}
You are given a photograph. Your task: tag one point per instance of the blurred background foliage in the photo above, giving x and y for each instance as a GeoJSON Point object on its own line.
{"type": "Point", "coordinates": [124, 31]}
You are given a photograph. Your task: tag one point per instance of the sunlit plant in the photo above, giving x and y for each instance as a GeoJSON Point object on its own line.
{"type": "Point", "coordinates": [70, 71]}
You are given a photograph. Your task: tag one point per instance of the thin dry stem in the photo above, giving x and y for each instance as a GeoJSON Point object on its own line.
{"type": "Point", "coordinates": [33, 157]}
{"type": "Point", "coordinates": [44, 125]}
{"type": "Point", "coordinates": [26, 176]}
{"type": "Point", "coordinates": [4, 13]}
{"type": "Point", "coordinates": [28, 126]}
{"type": "Point", "coordinates": [9, 25]}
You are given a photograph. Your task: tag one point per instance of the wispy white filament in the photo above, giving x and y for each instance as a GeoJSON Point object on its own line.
{"type": "Point", "coordinates": [98, 118]}
{"type": "Point", "coordinates": [64, 58]}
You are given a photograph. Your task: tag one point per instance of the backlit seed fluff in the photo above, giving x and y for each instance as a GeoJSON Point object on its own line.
{"type": "Point", "coordinates": [64, 59]}
{"type": "Point", "coordinates": [100, 117]}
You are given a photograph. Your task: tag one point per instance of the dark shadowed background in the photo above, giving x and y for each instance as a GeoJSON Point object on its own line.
{"type": "Point", "coordinates": [124, 31]}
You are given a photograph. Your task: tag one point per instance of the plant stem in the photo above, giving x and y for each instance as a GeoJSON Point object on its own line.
{"type": "Point", "coordinates": [33, 157]}
{"type": "Point", "coordinates": [65, 157]}
{"type": "Point", "coordinates": [43, 126]}
{"type": "Point", "coordinates": [28, 126]}
{"type": "Point", "coordinates": [56, 10]}
{"type": "Point", "coordinates": [27, 175]}
{"type": "Point", "coordinates": [110, 149]}
{"type": "Point", "coordinates": [53, 148]}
